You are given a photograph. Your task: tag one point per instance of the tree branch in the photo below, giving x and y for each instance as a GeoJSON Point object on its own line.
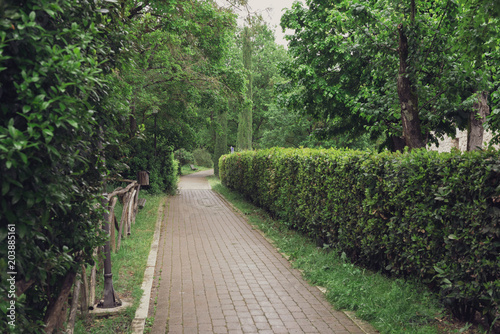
{"type": "Point", "coordinates": [431, 100]}
{"type": "Point", "coordinates": [437, 30]}
{"type": "Point", "coordinates": [137, 10]}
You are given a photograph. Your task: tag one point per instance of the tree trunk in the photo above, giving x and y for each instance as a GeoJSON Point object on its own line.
{"type": "Point", "coordinates": [244, 138]}
{"type": "Point", "coordinates": [57, 310]}
{"type": "Point", "coordinates": [221, 138]}
{"type": "Point", "coordinates": [70, 328]}
{"type": "Point", "coordinates": [93, 281]}
{"type": "Point", "coordinates": [476, 120]}
{"type": "Point", "coordinates": [408, 97]}
{"type": "Point", "coordinates": [397, 144]}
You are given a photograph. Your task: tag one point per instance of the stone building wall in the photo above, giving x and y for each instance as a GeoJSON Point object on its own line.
{"type": "Point", "coordinates": [459, 142]}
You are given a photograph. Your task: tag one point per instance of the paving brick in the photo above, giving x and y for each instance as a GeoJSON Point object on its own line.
{"type": "Point", "coordinates": [219, 275]}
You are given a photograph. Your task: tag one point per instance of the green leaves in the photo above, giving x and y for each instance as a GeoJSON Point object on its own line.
{"type": "Point", "coordinates": [422, 214]}
{"type": "Point", "coordinates": [353, 47]}
{"type": "Point", "coordinates": [51, 76]}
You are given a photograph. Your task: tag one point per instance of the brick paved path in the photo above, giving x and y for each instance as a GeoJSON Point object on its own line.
{"type": "Point", "coordinates": [218, 275]}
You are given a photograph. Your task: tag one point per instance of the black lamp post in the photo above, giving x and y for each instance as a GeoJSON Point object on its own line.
{"type": "Point", "coordinates": [109, 292]}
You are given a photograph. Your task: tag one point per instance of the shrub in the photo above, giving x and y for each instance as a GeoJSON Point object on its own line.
{"type": "Point", "coordinates": [162, 168]}
{"type": "Point", "coordinates": [184, 157]}
{"type": "Point", "coordinates": [53, 62]}
{"type": "Point", "coordinates": [203, 158]}
{"type": "Point", "coordinates": [425, 214]}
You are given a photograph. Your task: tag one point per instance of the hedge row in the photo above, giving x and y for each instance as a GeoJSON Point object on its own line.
{"type": "Point", "coordinates": [422, 214]}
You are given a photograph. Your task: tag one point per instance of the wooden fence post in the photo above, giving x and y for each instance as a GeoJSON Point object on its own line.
{"type": "Point", "coordinates": [121, 232]}
{"type": "Point", "coordinates": [129, 211]}
{"type": "Point", "coordinates": [136, 203]}
{"type": "Point", "coordinates": [56, 311]}
{"type": "Point", "coordinates": [93, 280]}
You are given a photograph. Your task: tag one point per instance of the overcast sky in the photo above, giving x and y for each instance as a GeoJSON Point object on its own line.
{"type": "Point", "coordinates": [273, 15]}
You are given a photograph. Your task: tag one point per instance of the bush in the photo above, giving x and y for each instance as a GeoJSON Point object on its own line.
{"type": "Point", "coordinates": [53, 62]}
{"type": "Point", "coordinates": [162, 168]}
{"type": "Point", "coordinates": [203, 158]}
{"type": "Point", "coordinates": [184, 157]}
{"type": "Point", "coordinates": [425, 214]}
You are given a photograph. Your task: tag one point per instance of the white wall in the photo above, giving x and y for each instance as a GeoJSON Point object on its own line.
{"type": "Point", "coordinates": [460, 142]}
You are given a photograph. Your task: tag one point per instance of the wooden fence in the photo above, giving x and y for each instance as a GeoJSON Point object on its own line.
{"type": "Point", "coordinates": [84, 288]}
{"type": "Point", "coordinates": [129, 197]}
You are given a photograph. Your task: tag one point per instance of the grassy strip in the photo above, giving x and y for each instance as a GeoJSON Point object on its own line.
{"type": "Point", "coordinates": [390, 305]}
{"type": "Point", "coordinates": [128, 267]}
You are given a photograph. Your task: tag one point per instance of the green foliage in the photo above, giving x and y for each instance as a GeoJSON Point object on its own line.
{"type": "Point", "coordinates": [203, 158]}
{"type": "Point", "coordinates": [184, 157]}
{"type": "Point", "coordinates": [220, 139]}
{"type": "Point", "coordinates": [174, 82]}
{"type": "Point", "coordinates": [345, 60]}
{"type": "Point", "coordinates": [272, 126]}
{"type": "Point", "coordinates": [162, 168]}
{"type": "Point", "coordinates": [421, 214]}
{"type": "Point", "coordinates": [51, 79]}
{"type": "Point", "coordinates": [245, 120]}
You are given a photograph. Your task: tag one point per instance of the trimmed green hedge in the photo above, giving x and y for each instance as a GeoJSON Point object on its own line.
{"type": "Point", "coordinates": [423, 214]}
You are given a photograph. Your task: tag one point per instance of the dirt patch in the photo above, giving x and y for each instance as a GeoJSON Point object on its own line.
{"type": "Point", "coordinates": [449, 324]}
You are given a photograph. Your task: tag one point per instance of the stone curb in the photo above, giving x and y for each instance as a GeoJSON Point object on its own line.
{"type": "Point", "coordinates": [141, 313]}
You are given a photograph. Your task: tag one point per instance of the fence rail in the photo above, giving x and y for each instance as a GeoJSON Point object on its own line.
{"type": "Point", "coordinates": [85, 289]}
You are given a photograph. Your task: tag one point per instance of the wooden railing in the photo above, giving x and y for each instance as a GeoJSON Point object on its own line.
{"type": "Point", "coordinates": [129, 197]}
{"type": "Point", "coordinates": [85, 289]}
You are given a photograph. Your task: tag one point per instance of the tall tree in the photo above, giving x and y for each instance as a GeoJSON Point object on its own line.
{"type": "Point", "coordinates": [408, 95]}
{"type": "Point", "coordinates": [220, 136]}
{"type": "Point", "coordinates": [478, 28]}
{"type": "Point", "coordinates": [392, 67]}
{"type": "Point", "coordinates": [179, 52]}
{"type": "Point", "coordinates": [245, 121]}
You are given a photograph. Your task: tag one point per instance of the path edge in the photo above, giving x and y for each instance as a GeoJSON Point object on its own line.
{"type": "Point", "coordinates": [364, 326]}
{"type": "Point", "coordinates": [139, 322]}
